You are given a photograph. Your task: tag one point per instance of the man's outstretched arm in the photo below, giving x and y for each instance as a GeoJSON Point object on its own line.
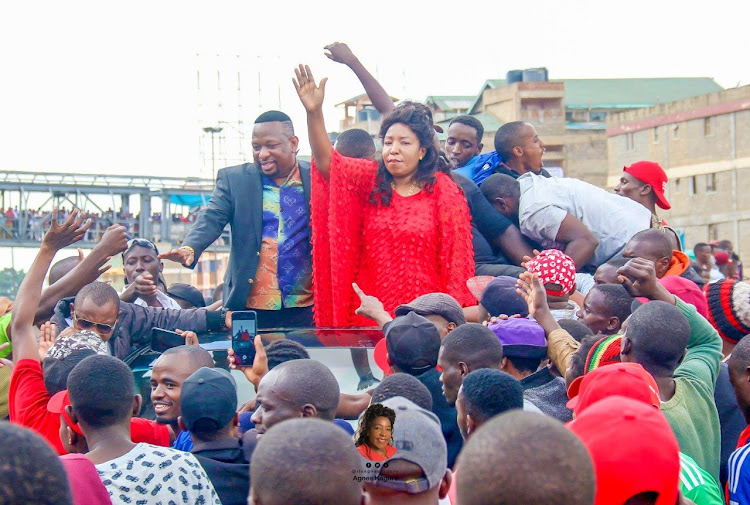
{"type": "Point", "coordinates": [340, 53]}
{"type": "Point", "coordinates": [30, 292]}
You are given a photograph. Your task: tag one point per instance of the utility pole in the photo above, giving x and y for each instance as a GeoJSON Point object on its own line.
{"type": "Point", "coordinates": [212, 130]}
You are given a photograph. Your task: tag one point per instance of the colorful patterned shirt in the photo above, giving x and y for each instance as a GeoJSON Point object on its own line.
{"type": "Point", "coordinates": [284, 275]}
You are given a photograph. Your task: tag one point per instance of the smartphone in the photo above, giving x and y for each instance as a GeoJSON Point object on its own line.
{"type": "Point", "coordinates": [161, 339]}
{"type": "Point", "coordinates": [244, 329]}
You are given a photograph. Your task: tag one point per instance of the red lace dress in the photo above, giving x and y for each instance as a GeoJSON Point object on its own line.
{"type": "Point", "coordinates": [415, 245]}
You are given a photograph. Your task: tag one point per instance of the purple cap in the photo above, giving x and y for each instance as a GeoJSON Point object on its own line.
{"type": "Point", "coordinates": [521, 338]}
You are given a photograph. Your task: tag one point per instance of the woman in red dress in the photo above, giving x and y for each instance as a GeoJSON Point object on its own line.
{"type": "Point", "coordinates": [399, 228]}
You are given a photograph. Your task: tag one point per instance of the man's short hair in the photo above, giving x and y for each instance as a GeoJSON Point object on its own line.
{"type": "Point", "coordinates": [99, 293]}
{"type": "Point", "coordinates": [488, 392]}
{"type": "Point", "coordinates": [577, 363]}
{"type": "Point", "coordinates": [196, 356]}
{"type": "Point", "coordinates": [305, 461]}
{"type": "Point", "coordinates": [524, 457]}
{"type": "Point", "coordinates": [741, 353]}
{"type": "Point", "coordinates": [657, 240]}
{"type": "Point", "coordinates": [30, 471]}
{"type": "Point", "coordinates": [101, 390]}
{"type": "Point", "coordinates": [617, 298]}
{"type": "Point", "coordinates": [472, 122]}
{"type": "Point", "coordinates": [659, 334]}
{"type": "Point", "coordinates": [700, 245]}
{"type": "Point", "coordinates": [506, 138]}
{"type": "Point", "coordinates": [403, 384]}
{"type": "Point", "coordinates": [271, 116]}
{"type": "Point", "coordinates": [306, 381]}
{"type": "Point", "coordinates": [500, 186]}
{"type": "Point", "coordinates": [474, 344]}
{"type": "Point", "coordinates": [61, 268]}
{"type": "Point", "coordinates": [281, 351]}
{"type": "Point", "coordinates": [575, 328]}
{"type": "Point", "coordinates": [617, 262]}
{"type": "Point", "coordinates": [356, 143]}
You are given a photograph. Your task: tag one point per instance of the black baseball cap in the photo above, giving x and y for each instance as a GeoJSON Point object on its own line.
{"type": "Point", "coordinates": [208, 400]}
{"type": "Point", "coordinates": [413, 343]}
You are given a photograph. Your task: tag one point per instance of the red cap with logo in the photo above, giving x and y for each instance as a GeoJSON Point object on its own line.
{"type": "Point", "coordinates": [653, 175]}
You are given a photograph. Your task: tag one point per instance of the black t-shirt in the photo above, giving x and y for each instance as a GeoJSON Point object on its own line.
{"type": "Point", "coordinates": [486, 222]}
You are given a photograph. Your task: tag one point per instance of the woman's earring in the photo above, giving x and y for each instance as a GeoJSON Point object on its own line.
{"type": "Point", "coordinates": [421, 157]}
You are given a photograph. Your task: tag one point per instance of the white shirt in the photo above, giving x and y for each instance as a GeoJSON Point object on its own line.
{"type": "Point", "coordinates": [161, 297]}
{"type": "Point", "coordinates": [612, 219]}
{"type": "Point", "coordinates": [157, 475]}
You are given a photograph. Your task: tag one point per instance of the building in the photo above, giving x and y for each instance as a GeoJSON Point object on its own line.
{"type": "Point", "coordinates": [570, 114]}
{"type": "Point", "coordinates": [445, 108]}
{"type": "Point", "coordinates": [359, 112]}
{"type": "Point", "coordinates": [703, 143]}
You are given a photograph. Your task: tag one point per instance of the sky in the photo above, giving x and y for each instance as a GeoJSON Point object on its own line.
{"type": "Point", "coordinates": [105, 87]}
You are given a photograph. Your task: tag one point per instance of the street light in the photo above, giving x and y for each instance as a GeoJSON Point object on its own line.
{"type": "Point", "coordinates": [212, 130]}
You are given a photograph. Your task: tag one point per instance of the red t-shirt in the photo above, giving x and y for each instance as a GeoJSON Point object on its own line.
{"type": "Point", "coordinates": [27, 402]}
{"type": "Point", "coordinates": [368, 453]}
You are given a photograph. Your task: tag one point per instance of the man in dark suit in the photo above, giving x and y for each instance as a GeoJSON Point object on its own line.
{"type": "Point", "coordinates": [267, 204]}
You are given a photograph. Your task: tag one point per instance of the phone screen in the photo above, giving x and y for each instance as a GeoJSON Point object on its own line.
{"type": "Point", "coordinates": [244, 329]}
{"type": "Point", "coordinates": [161, 339]}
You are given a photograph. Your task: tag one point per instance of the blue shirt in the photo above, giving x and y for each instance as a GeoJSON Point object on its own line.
{"type": "Point", "coordinates": [739, 476]}
{"type": "Point", "coordinates": [183, 442]}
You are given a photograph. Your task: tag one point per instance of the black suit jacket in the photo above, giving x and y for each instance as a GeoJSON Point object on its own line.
{"type": "Point", "coordinates": [237, 200]}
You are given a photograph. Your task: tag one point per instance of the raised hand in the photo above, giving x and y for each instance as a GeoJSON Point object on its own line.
{"type": "Point", "coordinates": [310, 94]}
{"type": "Point", "coordinates": [71, 231]}
{"type": "Point", "coordinates": [183, 255]}
{"type": "Point", "coordinates": [260, 364]}
{"type": "Point", "coordinates": [638, 277]}
{"type": "Point", "coordinates": [114, 241]}
{"type": "Point", "coordinates": [5, 362]}
{"type": "Point", "coordinates": [340, 53]}
{"type": "Point", "coordinates": [191, 338]}
{"type": "Point", "coordinates": [46, 338]}
{"type": "Point", "coordinates": [531, 288]}
{"type": "Point", "coordinates": [369, 306]}
{"type": "Point", "coordinates": [145, 286]}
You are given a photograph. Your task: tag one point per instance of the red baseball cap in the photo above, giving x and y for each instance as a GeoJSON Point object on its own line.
{"type": "Point", "coordinates": [380, 355]}
{"type": "Point", "coordinates": [653, 175]}
{"type": "Point", "coordinates": [630, 380]}
{"type": "Point", "coordinates": [57, 405]}
{"type": "Point", "coordinates": [633, 449]}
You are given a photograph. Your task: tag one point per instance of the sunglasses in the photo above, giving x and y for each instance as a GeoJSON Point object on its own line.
{"type": "Point", "coordinates": [140, 242]}
{"type": "Point", "coordinates": [85, 324]}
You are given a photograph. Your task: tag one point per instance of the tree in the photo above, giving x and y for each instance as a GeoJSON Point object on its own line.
{"type": "Point", "coordinates": [10, 281]}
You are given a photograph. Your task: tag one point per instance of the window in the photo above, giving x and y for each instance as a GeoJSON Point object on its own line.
{"type": "Point", "coordinates": [597, 116]}
{"type": "Point", "coordinates": [693, 186]}
{"type": "Point", "coordinates": [710, 182]}
{"type": "Point", "coordinates": [676, 131]}
{"type": "Point", "coordinates": [656, 135]}
{"type": "Point", "coordinates": [629, 141]}
{"type": "Point", "coordinates": [707, 126]}
{"type": "Point", "coordinates": [677, 185]}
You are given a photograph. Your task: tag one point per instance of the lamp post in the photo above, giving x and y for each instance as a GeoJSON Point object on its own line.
{"type": "Point", "coordinates": [212, 130]}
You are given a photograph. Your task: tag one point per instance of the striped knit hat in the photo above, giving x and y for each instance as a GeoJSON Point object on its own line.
{"type": "Point", "coordinates": [606, 351]}
{"type": "Point", "coordinates": [729, 308]}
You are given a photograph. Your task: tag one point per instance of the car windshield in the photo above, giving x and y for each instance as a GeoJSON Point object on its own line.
{"type": "Point", "coordinates": [347, 352]}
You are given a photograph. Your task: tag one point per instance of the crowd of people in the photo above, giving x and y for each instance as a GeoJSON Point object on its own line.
{"type": "Point", "coordinates": [543, 340]}
{"type": "Point", "coordinates": [38, 220]}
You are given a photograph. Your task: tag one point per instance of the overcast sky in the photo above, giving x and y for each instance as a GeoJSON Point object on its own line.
{"type": "Point", "coordinates": [91, 87]}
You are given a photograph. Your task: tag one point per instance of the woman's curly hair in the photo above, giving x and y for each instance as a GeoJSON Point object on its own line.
{"type": "Point", "coordinates": [418, 118]}
{"type": "Point", "coordinates": [365, 422]}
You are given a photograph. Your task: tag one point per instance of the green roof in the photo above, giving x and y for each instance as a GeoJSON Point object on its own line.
{"type": "Point", "coordinates": [623, 93]}
{"type": "Point", "coordinates": [632, 93]}
{"type": "Point", "coordinates": [449, 103]}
